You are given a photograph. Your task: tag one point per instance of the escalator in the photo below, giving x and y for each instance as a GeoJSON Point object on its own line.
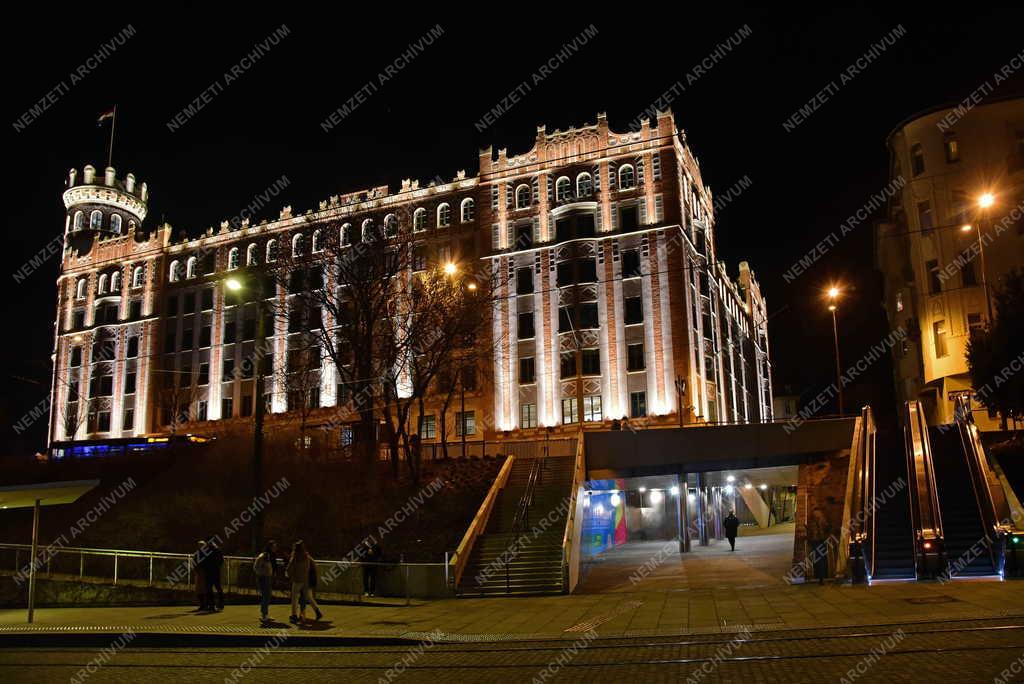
{"type": "Point", "coordinates": [893, 543]}
{"type": "Point", "coordinates": [970, 540]}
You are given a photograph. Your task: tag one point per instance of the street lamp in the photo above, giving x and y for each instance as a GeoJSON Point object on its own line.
{"type": "Point", "coordinates": [450, 268]}
{"type": "Point", "coordinates": [833, 296]}
{"type": "Point", "coordinates": [236, 285]}
{"type": "Point", "coordinates": [985, 201]}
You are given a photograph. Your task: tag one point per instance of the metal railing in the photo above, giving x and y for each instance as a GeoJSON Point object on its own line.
{"type": "Point", "coordinates": [476, 528]}
{"type": "Point", "coordinates": [337, 579]}
{"type": "Point", "coordinates": [573, 526]}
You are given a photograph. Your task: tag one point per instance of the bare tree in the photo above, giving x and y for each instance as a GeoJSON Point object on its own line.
{"type": "Point", "coordinates": [300, 379]}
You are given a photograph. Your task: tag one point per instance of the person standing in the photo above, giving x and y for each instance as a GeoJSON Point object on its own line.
{"type": "Point", "coordinates": [214, 562]}
{"type": "Point", "coordinates": [819, 531]}
{"type": "Point", "coordinates": [263, 568]}
{"type": "Point", "coordinates": [370, 567]}
{"type": "Point", "coordinates": [298, 573]}
{"type": "Point", "coordinates": [732, 526]}
{"type": "Point", "coordinates": [198, 561]}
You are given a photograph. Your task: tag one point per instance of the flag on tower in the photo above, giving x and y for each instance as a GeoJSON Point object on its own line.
{"type": "Point", "coordinates": [109, 114]}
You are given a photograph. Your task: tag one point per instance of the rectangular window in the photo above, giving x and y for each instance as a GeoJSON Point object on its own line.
{"type": "Point", "coordinates": [934, 283]}
{"type": "Point", "coordinates": [227, 408]}
{"type": "Point", "coordinates": [246, 405]}
{"type": "Point", "coordinates": [585, 225]}
{"type": "Point", "coordinates": [188, 338]}
{"type": "Point", "coordinates": [630, 263]}
{"type": "Point", "coordinates": [524, 281]}
{"type": "Point", "coordinates": [78, 320]}
{"type": "Point", "coordinates": [634, 310]}
{"type": "Point", "coordinates": [528, 416]}
{"type": "Point", "coordinates": [129, 383]}
{"type": "Point", "coordinates": [592, 408]}
{"type": "Point", "coordinates": [925, 217]}
{"type": "Point", "coordinates": [527, 371]}
{"type": "Point", "coordinates": [568, 364]}
{"type": "Point", "coordinates": [204, 374]}
{"type": "Point", "coordinates": [526, 330]}
{"type": "Point", "coordinates": [228, 372]}
{"type": "Point", "coordinates": [588, 316]}
{"type": "Point", "coordinates": [188, 303]}
{"type": "Point", "coordinates": [133, 347]}
{"type": "Point", "coordinates": [952, 147]}
{"type": "Point", "coordinates": [205, 336]}
{"type": "Point", "coordinates": [939, 338]}
{"type": "Point", "coordinates": [974, 323]}
{"type": "Point", "coordinates": [128, 421]}
{"type": "Point", "coordinates": [564, 275]}
{"type": "Point", "coordinates": [635, 357]}
{"type": "Point", "coordinates": [565, 323]}
{"type": "Point", "coordinates": [230, 328]}
{"type": "Point", "coordinates": [76, 357]}
{"type": "Point", "coordinates": [917, 159]}
{"type": "Point", "coordinates": [469, 378]}
{"type": "Point", "coordinates": [467, 419]}
{"type": "Point", "coordinates": [428, 427]}
{"type": "Point", "coordinates": [591, 361]}
{"type": "Point", "coordinates": [569, 413]}
{"type": "Point", "coordinates": [587, 270]}
{"type": "Point", "coordinates": [637, 404]}
{"type": "Point", "coordinates": [629, 218]}
{"type": "Point", "coordinates": [172, 305]}
{"type": "Point", "coordinates": [135, 309]}
{"type": "Point", "coordinates": [201, 410]}
{"type": "Point", "coordinates": [563, 230]}
{"type": "Point", "coordinates": [103, 421]}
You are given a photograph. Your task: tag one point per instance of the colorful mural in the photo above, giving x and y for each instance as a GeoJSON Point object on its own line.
{"type": "Point", "coordinates": [604, 523]}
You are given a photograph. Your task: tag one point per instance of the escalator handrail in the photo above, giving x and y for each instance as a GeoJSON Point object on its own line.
{"type": "Point", "coordinates": [977, 466]}
{"type": "Point", "coordinates": [925, 513]}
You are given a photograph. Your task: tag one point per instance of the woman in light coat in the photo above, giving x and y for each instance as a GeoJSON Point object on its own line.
{"type": "Point", "coordinates": [298, 569]}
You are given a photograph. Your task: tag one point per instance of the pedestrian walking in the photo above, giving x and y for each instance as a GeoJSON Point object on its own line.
{"type": "Point", "coordinates": [213, 562]}
{"type": "Point", "coordinates": [373, 557]}
{"type": "Point", "coordinates": [819, 531]}
{"type": "Point", "coordinates": [199, 569]}
{"type": "Point", "coordinates": [263, 568]}
{"type": "Point", "coordinates": [732, 526]}
{"type": "Point", "coordinates": [298, 574]}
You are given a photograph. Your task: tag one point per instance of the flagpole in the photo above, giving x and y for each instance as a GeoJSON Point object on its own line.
{"type": "Point", "coordinates": [110, 152]}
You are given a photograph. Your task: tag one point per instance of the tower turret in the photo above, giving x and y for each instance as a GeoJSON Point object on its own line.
{"type": "Point", "coordinates": [102, 205]}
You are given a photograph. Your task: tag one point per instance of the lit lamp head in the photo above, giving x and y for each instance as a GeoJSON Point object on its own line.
{"type": "Point", "coordinates": [986, 200]}
{"type": "Point", "coordinates": [233, 284]}
{"type": "Point", "coordinates": [833, 292]}
{"type": "Point", "coordinates": [450, 268]}
{"type": "Point", "coordinates": [967, 227]}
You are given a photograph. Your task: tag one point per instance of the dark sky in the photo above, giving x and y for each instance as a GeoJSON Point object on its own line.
{"type": "Point", "coordinates": [420, 123]}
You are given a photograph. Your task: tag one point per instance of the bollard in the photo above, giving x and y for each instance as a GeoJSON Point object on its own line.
{"type": "Point", "coordinates": [150, 569]}
{"type": "Point", "coordinates": [115, 569]}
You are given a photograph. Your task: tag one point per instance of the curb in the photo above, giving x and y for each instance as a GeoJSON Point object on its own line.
{"type": "Point", "coordinates": [102, 637]}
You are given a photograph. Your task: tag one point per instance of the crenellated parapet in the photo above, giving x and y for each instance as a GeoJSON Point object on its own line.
{"type": "Point", "coordinates": [107, 190]}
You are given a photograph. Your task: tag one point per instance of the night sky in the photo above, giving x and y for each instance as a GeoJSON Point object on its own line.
{"type": "Point", "coordinates": [420, 124]}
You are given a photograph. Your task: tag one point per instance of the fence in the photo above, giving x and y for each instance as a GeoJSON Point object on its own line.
{"type": "Point", "coordinates": [434, 451]}
{"type": "Point", "coordinates": [341, 580]}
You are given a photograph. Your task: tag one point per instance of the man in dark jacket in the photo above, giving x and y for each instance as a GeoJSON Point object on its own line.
{"type": "Point", "coordinates": [732, 526]}
{"type": "Point", "coordinates": [211, 564]}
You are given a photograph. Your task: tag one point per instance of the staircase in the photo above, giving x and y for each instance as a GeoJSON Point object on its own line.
{"type": "Point", "coordinates": [966, 542]}
{"type": "Point", "coordinates": [894, 536]}
{"type": "Point", "coordinates": [506, 561]}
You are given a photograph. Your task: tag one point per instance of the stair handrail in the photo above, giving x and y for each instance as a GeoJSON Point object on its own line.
{"type": "Point", "coordinates": [522, 517]}
{"type": "Point", "coordinates": [925, 512]}
{"type": "Point", "coordinates": [861, 522]}
{"type": "Point", "coordinates": [459, 559]}
{"type": "Point", "coordinates": [977, 466]}
{"type": "Point", "coordinates": [573, 531]}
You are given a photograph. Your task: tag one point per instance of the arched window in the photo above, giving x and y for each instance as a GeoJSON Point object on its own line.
{"type": "Point", "coordinates": [627, 178]}
{"type": "Point", "coordinates": [468, 210]}
{"type": "Point", "coordinates": [419, 220]}
{"type": "Point", "coordinates": [346, 235]}
{"type": "Point", "coordinates": [367, 231]}
{"type": "Point", "coordinates": [96, 220]}
{"type": "Point", "coordinates": [297, 245]}
{"type": "Point", "coordinates": [79, 222]}
{"type": "Point", "coordinates": [523, 196]}
{"type": "Point", "coordinates": [444, 215]}
{"type": "Point", "coordinates": [138, 274]}
{"type": "Point", "coordinates": [318, 243]}
{"type": "Point", "coordinates": [115, 223]}
{"type": "Point", "coordinates": [251, 256]}
{"type": "Point", "coordinates": [80, 288]}
{"type": "Point", "coordinates": [232, 258]}
{"type": "Point", "coordinates": [563, 189]}
{"type": "Point", "coordinates": [584, 185]}
{"type": "Point", "coordinates": [174, 275]}
{"type": "Point", "coordinates": [390, 226]}
{"type": "Point", "coordinates": [271, 251]}
{"type": "Point", "coordinates": [115, 281]}
{"type": "Point", "coordinates": [190, 267]}
{"type": "Point", "coordinates": [101, 287]}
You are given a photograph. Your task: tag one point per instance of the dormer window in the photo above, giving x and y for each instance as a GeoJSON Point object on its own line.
{"type": "Point", "coordinates": [468, 210]}
{"type": "Point", "coordinates": [627, 177]}
{"type": "Point", "coordinates": [563, 189]}
{"type": "Point", "coordinates": [523, 196]}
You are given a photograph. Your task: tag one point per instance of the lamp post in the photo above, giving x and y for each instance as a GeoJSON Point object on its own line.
{"type": "Point", "coordinates": [236, 285]}
{"type": "Point", "coordinates": [681, 393]}
{"type": "Point", "coordinates": [833, 296]}
{"type": "Point", "coordinates": [985, 200]}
